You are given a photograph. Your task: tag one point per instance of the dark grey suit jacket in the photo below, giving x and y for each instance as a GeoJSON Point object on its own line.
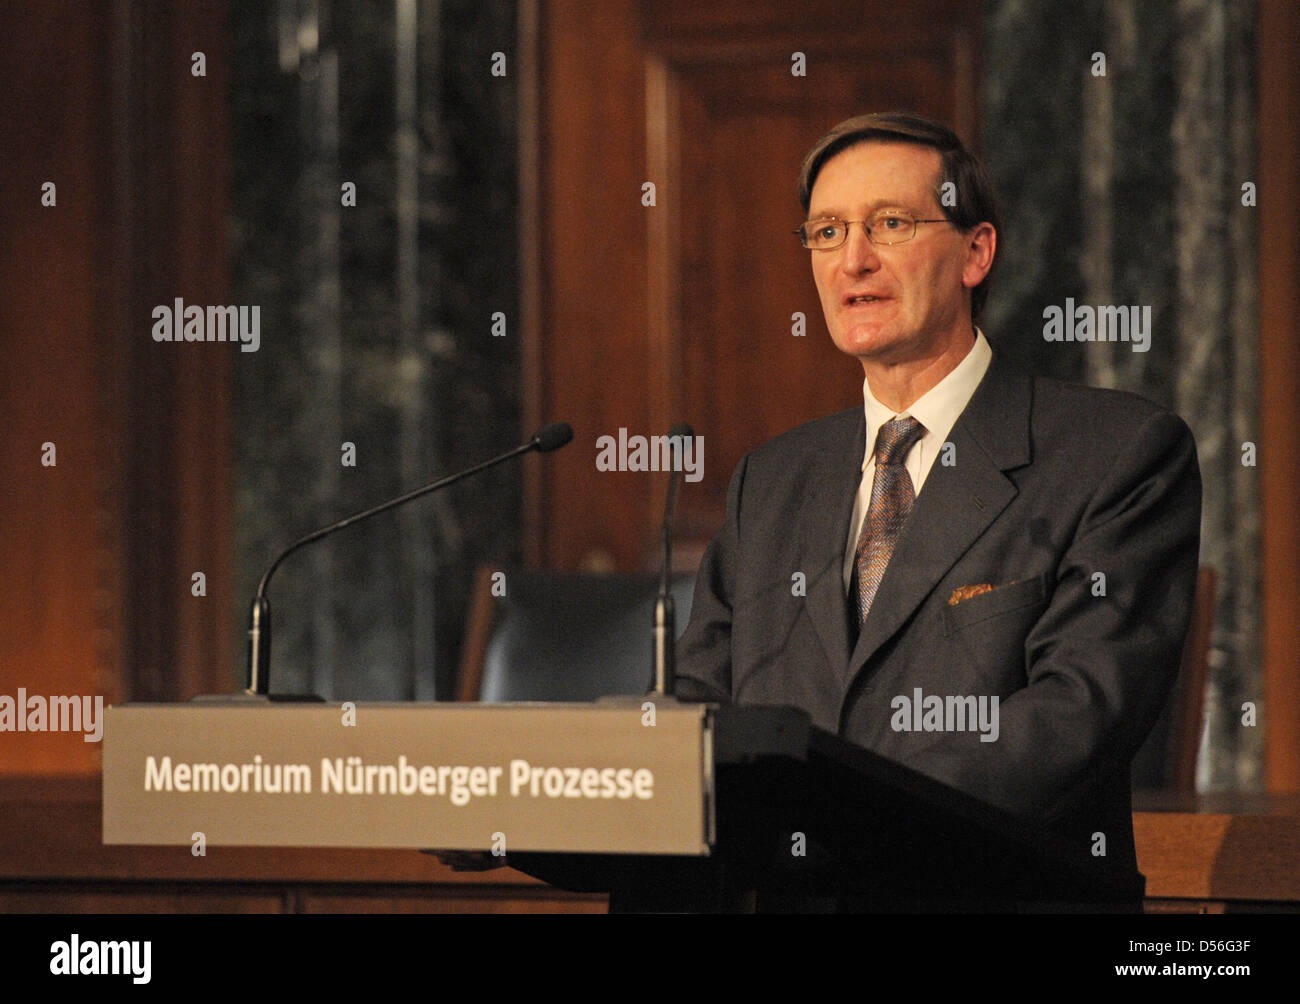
{"type": "Point", "coordinates": [1051, 484]}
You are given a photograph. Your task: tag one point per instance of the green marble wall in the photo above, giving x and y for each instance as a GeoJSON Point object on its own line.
{"type": "Point", "coordinates": [376, 327]}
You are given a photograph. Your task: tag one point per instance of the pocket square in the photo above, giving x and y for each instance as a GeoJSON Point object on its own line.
{"type": "Point", "coordinates": [963, 593]}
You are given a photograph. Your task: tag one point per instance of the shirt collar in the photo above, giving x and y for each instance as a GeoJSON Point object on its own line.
{"type": "Point", "coordinates": [938, 408]}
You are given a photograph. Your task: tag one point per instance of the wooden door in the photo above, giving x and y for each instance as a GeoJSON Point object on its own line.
{"type": "Point", "coordinates": [639, 316]}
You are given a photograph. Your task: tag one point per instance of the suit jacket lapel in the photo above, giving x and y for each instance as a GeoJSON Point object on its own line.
{"type": "Point", "coordinates": [956, 504]}
{"type": "Point", "coordinates": [823, 536]}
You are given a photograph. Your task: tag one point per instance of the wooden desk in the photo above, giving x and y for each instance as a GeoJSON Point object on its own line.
{"type": "Point", "coordinates": [1206, 854]}
{"type": "Point", "coordinates": [1219, 853]}
{"type": "Point", "coordinates": [52, 860]}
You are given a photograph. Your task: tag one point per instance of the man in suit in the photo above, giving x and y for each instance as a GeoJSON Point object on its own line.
{"type": "Point", "coordinates": [971, 532]}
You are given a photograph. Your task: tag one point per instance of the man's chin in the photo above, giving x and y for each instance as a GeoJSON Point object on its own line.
{"type": "Point", "coordinates": [872, 347]}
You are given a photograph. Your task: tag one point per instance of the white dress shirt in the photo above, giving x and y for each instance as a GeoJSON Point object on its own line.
{"type": "Point", "coordinates": [937, 410]}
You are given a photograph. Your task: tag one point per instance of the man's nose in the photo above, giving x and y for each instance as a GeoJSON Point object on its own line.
{"type": "Point", "coordinates": [859, 253]}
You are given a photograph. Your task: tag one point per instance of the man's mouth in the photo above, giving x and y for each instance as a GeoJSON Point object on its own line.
{"type": "Point", "coordinates": [854, 301]}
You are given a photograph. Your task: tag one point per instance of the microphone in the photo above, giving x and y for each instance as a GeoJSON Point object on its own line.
{"type": "Point", "coordinates": [548, 438]}
{"type": "Point", "coordinates": [665, 633]}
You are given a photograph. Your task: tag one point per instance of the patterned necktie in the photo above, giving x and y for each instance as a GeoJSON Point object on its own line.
{"type": "Point", "coordinates": [892, 495]}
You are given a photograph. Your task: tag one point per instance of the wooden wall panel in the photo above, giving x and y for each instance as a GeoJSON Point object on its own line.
{"type": "Point", "coordinates": [1279, 389]}
{"type": "Point", "coordinates": [56, 550]}
{"type": "Point", "coordinates": [647, 316]}
{"type": "Point", "coordinates": [593, 360]}
{"type": "Point", "coordinates": [170, 210]}
{"type": "Point", "coordinates": [98, 551]}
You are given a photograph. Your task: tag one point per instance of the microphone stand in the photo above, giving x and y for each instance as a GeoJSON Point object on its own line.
{"type": "Point", "coordinates": [665, 629]}
{"type": "Point", "coordinates": [549, 438]}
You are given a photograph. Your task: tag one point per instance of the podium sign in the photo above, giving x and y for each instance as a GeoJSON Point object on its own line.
{"type": "Point", "coordinates": [519, 777]}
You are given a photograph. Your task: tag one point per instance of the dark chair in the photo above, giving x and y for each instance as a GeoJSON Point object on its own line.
{"type": "Point", "coordinates": [558, 636]}
{"type": "Point", "coordinates": [1167, 760]}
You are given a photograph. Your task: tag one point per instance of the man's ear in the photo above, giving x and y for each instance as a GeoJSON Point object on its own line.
{"type": "Point", "coordinates": [981, 246]}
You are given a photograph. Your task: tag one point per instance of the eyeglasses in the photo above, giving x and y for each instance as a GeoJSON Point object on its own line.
{"type": "Point", "coordinates": [888, 226]}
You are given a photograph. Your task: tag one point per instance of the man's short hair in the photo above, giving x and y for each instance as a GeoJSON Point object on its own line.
{"type": "Point", "coordinates": [975, 201]}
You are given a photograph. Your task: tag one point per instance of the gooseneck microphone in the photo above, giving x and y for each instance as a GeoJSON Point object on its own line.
{"type": "Point", "coordinates": [550, 437]}
{"type": "Point", "coordinates": [665, 633]}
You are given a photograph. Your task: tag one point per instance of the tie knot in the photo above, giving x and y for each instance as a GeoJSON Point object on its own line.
{"type": "Point", "coordinates": [895, 438]}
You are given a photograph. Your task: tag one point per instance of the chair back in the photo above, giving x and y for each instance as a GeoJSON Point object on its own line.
{"type": "Point", "coordinates": [561, 636]}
